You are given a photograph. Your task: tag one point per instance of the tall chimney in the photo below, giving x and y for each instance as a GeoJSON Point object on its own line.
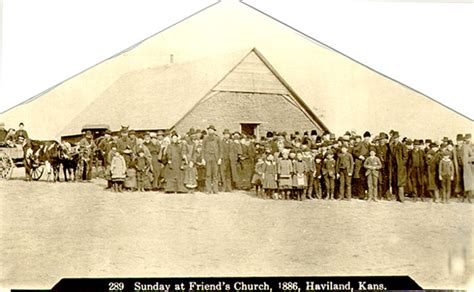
{"type": "Point", "coordinates": [171, 59]}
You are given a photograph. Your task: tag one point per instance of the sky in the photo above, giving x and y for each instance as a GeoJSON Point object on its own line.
{"type": "Point", "coordinates": [427, 45]}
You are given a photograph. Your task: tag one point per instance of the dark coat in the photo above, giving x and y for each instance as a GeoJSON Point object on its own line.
{"type": "Point", "coordinates": [432, 163]}
{"type": "Point", "coordinates": [174, 172]}
{"type": "Point", "coordinates": [211, 149]}
{"type": "Point", "coordinates": [21, 133]}
{"type": "Point", "coordinates": [361, 149]}
{"type": "Point", "coordinates": [468, 166]}
{"type": "Point", "coordinates": [399, 154]}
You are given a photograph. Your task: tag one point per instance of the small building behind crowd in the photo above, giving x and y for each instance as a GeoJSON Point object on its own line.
{"type": "Point", "coordinates": [240, 91]}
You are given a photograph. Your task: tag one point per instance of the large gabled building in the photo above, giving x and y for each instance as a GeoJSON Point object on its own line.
{"type": "Point", "coordinates": [343, 93]}
{"type": "Point", "coordinates": [240, 91]}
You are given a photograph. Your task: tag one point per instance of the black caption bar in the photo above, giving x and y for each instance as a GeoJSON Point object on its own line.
{"type": "Point", "coordinates": [363, 283]}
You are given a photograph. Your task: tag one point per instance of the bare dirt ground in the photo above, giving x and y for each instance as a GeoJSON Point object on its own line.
{"type": "Point", "coordinates": [53, 230]}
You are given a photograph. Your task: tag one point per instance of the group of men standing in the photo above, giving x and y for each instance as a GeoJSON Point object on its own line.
{"type": "Point", "coordinates": [198, 160]}
{"type": "Point", "coordinates": [203, 160]}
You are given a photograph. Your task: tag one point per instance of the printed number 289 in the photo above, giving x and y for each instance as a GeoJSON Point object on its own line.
{"type": "Point", "coordinates": [116, 286]}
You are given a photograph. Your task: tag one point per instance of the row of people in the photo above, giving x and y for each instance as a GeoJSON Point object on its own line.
{"type": "Point", "coordinates": [371, 167]}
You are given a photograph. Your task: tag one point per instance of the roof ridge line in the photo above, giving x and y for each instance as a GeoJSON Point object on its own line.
{"type": "Point", "coordinates": [314, 40]}
{"type": "Point", "coordinates": [33, 98]}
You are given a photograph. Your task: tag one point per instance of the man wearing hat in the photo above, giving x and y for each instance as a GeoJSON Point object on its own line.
{"type": "Point", "coordinates": [124, 141]}
{"type": "Point", "coordinates": [313, 136]}
{"type": "Point", "coordinates": [398, 159]}
{"type": "Point", "coordinates": [212, 159]}
{"type": "Point", "coordinates": [433, 157]}
{"type": "Point", "coordinates": [160, 135]}
{"type": "Point", "coordinates": [458, 184]}
{"type": "Point", "coordinates": [360, 152]}
{"type": "Point", "coordinates": [382, 152]}
{"type": "Point", "coordinates": [372, 165]}
{"type": "Point", "coordinates": [416, 169]}
{"type": "Point", "coordinates": [446, 175]}
{"type": "Point", "coordinates": [226, 155]}
{"type": "Point", "coordinates": [86, 149]}
{"type": "Point", "coordinates": [133, 137]}
{"type": "Point", "coordinates": [468, 166]}
{"type": "Point", "coordinates": [3, 133]}
{"type": "Point", "coordinates": [104, 145]}
{"type": "Point", "coordinates": [345, 168]}
{"type": "Point", "coordinates": [156, 166]}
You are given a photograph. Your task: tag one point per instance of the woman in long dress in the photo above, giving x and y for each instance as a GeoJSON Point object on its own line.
{"type": "Point", "coordinates": [174, 174]}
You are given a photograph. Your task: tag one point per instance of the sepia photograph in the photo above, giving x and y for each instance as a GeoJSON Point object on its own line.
{"type": "Point", "coordinates": [213, 139]}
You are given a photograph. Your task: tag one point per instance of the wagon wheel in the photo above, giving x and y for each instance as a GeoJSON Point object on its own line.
{"type": "Point", "coordinates": [6, 165]}
{"type": "Point", "coordinates": [37, 172]}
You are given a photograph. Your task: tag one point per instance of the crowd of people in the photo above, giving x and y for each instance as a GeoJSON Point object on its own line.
{"type": "Point", "coordinates": [291, 166]}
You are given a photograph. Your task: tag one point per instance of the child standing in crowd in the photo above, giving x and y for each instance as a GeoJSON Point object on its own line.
{"type": "Point", "coordinates": [190, 173]}
{"type": "Point", "coordinates": [446, 176]}
{"type": "Point", "coordinates": [130, 182]}
{"type": "Point", "coordinates": [285, 169]}
{"type": "Point", "coordinates": [372, 165]}
{"type": "Point", "coordinates": [269, 176]}
{"type": "Point", "coordinates": [142, 165]}
{"type": "Point", "coordinates": [345, 168]}
{"type": "Point", "coordinates": [308, 158]}
{"type": "Point", "coordinates": [257, 177]}
{"type": "Point", "coordinates": [317, 175]}
{"type": "Point", "coordinates": [299, 175]}
{"type": "Point", "coordinates": [117, 169]}
{"type": "Point", "coordinates": [201, 169]}
{"type": "Point", "coordinates": [329, 173]}
{"type": "Point", "coordinates": [432, 162]}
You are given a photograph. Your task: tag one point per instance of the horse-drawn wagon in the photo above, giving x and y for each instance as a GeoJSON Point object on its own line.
{"type": "Point", "coordinates": [12, 156]}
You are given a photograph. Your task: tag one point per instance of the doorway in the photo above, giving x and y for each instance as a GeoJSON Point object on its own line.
{"type": "Point", "coordinates": [249, 129]}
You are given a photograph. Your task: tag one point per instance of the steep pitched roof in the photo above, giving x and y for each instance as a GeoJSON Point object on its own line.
{"type": "Point", "coordinates": [344, 93]}
{"type": "Point", "coordinates": [157, 98]}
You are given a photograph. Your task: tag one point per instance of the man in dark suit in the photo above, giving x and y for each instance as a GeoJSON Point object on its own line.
{"type": "Point", "coordinates": [382, 152]}
{"type": "Point", "coordinates": [399, 158]}
{"type": "Point", "coordinates": [360, 153]}
{"type": "Point", "coordinates": [416, 168]}
{"type": "Point", "coordinates": [226, 155]}
{"type": "Point", "coordinates": [212, 158]}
